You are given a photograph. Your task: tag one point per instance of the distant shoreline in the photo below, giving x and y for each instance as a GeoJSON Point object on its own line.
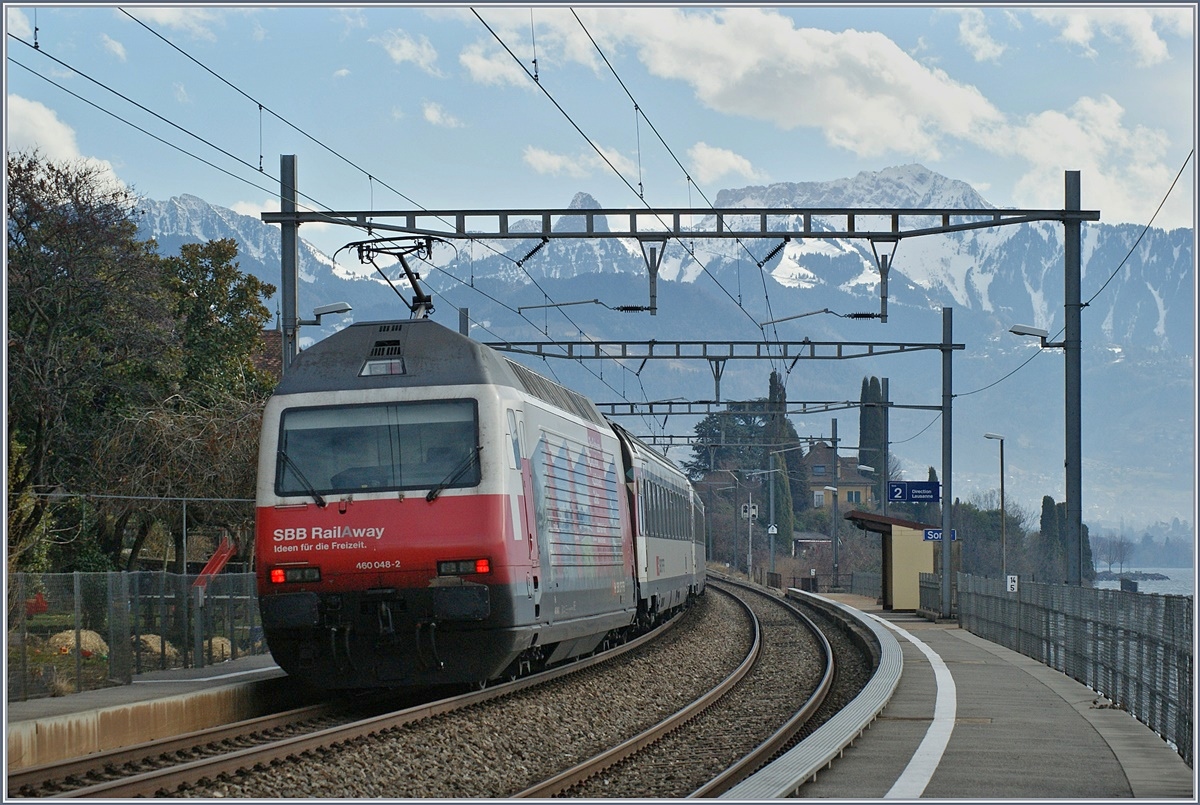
{"type": "Point", "coordinates": [1134, 575]}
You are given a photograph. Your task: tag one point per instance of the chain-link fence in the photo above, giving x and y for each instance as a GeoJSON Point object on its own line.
{"type": "Point", "coordinates": [70, 632]}
{"type": "Point", "coordinates": [1134, 648]}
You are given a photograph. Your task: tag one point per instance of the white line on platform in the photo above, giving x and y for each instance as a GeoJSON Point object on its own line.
{"type": "Point", "coordinates": [917, 774]}
{"type": "Point", "coordinates": [208, 678]}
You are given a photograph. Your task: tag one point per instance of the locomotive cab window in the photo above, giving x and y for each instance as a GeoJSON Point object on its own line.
{"type": "Point", "coordinates": [370, 448]}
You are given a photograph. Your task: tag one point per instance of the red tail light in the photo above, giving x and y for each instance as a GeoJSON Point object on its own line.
{"type": "Point", "coordinates": [283, 575]}
{"type": "Point", "coordinates": [464, 567]}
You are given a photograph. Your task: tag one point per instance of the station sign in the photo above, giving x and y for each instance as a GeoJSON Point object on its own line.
{"type": "Point", "coordinates": [914, 491]}
{"type": "Point", "coordinates": [935, 535]}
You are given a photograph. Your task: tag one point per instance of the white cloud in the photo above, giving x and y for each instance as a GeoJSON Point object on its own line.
{"type": "Point", "coordinates": [545, 162]}
{"type": "Point", "coordinates": [974, 36]}
{"type": "Point", "coordinates": [871, 99]}
{"type": "Point", "coordinates": [342, 73]}
{"type": "Point", "coordinates": [710, 164]}
{"type": "Point", "coordinates": [113, 46]}
{"type": "Point", "coordinates": [352, 19]}
{"type": "Point", "coordinates": [255, 208]}
{"type": "Point", "coordinates": [493, 66]}
{"type": "Point", "coordinates": [1137, 29]}
{"type": "Point", "coordinates": [402, 48]}
{"type": "Point", "coordinates": [862, 91]}
{"type": "Point", "coordinates": [181, 93]}
{"type": "Point", "coordinates": [435, 115]}
{"type": "Point", "coordinates": [192, 20]}
{"type": "Point", "coordinates": [1122, 170]}
{"type": "Point", "coordinates": [17, 23]}
{"type": "Point", "coordinates": [33, 126]}
{"type": "Point", "coordinates": [581, 165]}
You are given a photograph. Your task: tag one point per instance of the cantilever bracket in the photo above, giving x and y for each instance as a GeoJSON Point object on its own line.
{"type": "Point", "coordinates": [883, 263]}
{"type": "Point", "coordinates": [653, 260]}
{"type": "Point", "coordinates": [718, 368]}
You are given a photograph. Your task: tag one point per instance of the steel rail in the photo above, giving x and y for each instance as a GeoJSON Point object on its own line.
{"type": "Point", "coordinates": [593, 766]}
{"type": "Point", "coordinates": [171, 778]}
{"type": "Point", "coordinates": [783, 777]}
{"type": "Point", "coordinates": [45, 774]}
{"type": "Point", "coordinates": [780, 739]}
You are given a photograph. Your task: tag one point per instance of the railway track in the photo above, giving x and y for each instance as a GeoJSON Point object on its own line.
{"type": "Point", "coordinates": [515, 738]}
{"type": "Point", "coordinates": [737, 726]}
{"type": "Point", "coordinates": [175, 764]}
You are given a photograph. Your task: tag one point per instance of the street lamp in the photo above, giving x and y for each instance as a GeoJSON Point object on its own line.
{"type": "Point", "coordinates": [833, 532]}
{"type": "Point", "coordinates": [1038, 333]}
{"type": "Point", "coordinates": [1003, 514]}
{"type": "Point", "coordinates": [318, 312]}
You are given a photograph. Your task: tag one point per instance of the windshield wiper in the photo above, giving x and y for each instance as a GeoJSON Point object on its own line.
{"type": "Point", "coordinates": [454, 475]}
{"type": "Point", "coordinates": [309, 488]}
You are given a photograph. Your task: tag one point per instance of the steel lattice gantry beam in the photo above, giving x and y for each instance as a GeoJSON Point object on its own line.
{"type": "Point", "coordinates": [710, 350]}
{"type": "Point", "coordinates": [715, 352]}
{"type": "Point", "coordinates": [706, 407]}
{"type": "Point", "coordinates": [875, 224]}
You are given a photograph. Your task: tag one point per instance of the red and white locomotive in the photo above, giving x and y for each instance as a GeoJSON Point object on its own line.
{"type": "Point", "coordinates": [430, 512]}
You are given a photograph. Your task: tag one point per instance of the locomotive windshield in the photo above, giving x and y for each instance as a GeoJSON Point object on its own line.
{"type": "Point", "coordinates": [368, 448]}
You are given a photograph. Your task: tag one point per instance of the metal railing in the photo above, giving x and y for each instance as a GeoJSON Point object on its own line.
{"type": "Point", "coordinates": [70, 632]}
{"type": "Point", "coordinates": [1133, 648]}
{"type": "Point", "coordinates": [869, 585]}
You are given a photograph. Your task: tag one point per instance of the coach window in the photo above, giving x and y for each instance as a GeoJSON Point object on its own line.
{"type": "Point", "coordinates": [515, 441]}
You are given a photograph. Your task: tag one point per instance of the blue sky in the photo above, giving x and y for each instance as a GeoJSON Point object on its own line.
{"type": "Point", "coordinates": [432, 109]}
{"type": "Point", "coordinates": [390, 107]}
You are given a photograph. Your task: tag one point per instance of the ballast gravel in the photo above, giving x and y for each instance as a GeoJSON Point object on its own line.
{"type": "Point", "coordinates": [502, 747]}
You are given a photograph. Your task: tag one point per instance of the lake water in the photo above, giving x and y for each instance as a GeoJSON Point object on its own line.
{"type": "Point", "coordinates": [1180, 581]}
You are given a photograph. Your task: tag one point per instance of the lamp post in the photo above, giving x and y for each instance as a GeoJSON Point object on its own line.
{"type": "Point", "coordinates": [733, 538]}
{"type": "Point", "coordinates": [750, 535]}
{"type": "Point", "coordinates": [833, 532]}
{"type": "Point", "coordinates": [1003, 514]}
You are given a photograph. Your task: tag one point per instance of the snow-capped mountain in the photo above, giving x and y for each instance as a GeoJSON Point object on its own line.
{"type": "Point", "coordinates": [1138, 326]}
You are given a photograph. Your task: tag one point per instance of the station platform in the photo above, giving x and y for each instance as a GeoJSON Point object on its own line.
{"type": "Point", "coordinates": [157, 704]}
{"type": "Point", "coordinates": [973, 720]}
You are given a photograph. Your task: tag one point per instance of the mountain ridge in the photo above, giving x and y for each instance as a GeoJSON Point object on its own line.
{"type": "Point", "coordinates": [1137, 347]}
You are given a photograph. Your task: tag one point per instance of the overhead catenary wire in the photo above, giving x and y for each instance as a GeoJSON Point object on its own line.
{"type": "Point", "coordinates": [589, 141]}
{"type": "Point", "coordinates": [132, 125]}
{"type": "Point", "coordinates": [640, 114]}
{"type": "Point", "coordinates": [261, 107]}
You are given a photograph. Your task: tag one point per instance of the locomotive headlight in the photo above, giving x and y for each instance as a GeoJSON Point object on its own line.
{"type": "Point", "coordinates": [283, 575]}
{"type": "Point", "coordinates": [464, 567]}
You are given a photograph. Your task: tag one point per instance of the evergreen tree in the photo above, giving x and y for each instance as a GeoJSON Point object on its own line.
{"type": "Point", "coordinates": [779, 432]}
{"type": "Point", "coordinates": [1050, 563]}
{"type": "Point", "coordinates": [872, 449]}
